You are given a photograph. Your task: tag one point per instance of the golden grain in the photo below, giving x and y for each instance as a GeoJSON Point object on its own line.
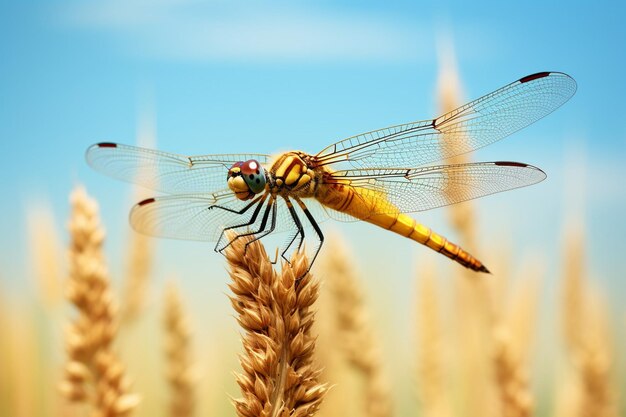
{"type": "Point", "coordinates": [93, 373]}
{"type": "Point", "coordinates": [586, 333]}
{"type": "Point", "coordinates": [355, 335]}
{"type": "Point", "coordinates": [140, 249]}
{"type": "Point", "coordinates": [449, 97]}
{"type": "Point", "coordinates": [138, 269]}
{"type": "Point", "coordinates": [512, 340]}
{"type": "Point", "coordinates": [275, 310]}
{"type": "Point", "coordinates": [430, 345]}
{"type": "Point", "coordinates": [573, 289]}
{"type": "Point", "coordinates": [46, 253]}
{"type": "Point", "coordinates": [178, 357]}
{"type": "Point", "coordinates": [595, 365]}
{"type": "Point", "coordinates": [511, 375]}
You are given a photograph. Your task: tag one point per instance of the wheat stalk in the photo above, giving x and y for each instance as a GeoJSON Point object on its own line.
{"type": "Point", "coordinates": [93, 373]}
{"type": "Point", "coordinates": [178, 362]}
{"type": "Point", "coordinates": [356, 338]}
{"type": "Point", "coordinates": [275, 310]}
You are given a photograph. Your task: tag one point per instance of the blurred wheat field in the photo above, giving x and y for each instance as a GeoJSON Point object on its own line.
{"type": "Point", "coordinates": [474, 342]}
{"type": "Point", "coordinates": [81, 344]}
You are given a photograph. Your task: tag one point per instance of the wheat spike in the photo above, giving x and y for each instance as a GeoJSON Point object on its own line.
{"type": "Point", "coordinates": [511, 375]}
{"type": "Point", "coordinates": [46, 253]}
{"type": "Point", "coordinates": [430, 358]}
{"type": "Point", "coordinates": [596, 364]}
{"type": "Point", "coordinates": [179, 368]}
{"type": "Point", "coordinates": [140, 250]}
{"type": "Point", "coordinates": [93, 373]}
{"type": "Point", "coordinates": [573, 289]}
{"type": "Point", "coordinates": [512, 341]}
{"type": "Point", "coordinates": [138, 269]}
{"type": "Point", "coordinates": [22, 362]}
{"type": "Point", "coordinates": [585, 329]}
{"type": "Point", "coordinates": [449, 97]}
{"type": "Point", "coordinates": [356, 338]}
{"type": "Point", "coordinates": [275, 310]}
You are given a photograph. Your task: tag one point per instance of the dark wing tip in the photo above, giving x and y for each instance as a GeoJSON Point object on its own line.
{"type": "Point", "coordinates": [91, 154]}
{"type": "Point", "coordinates": [146, 201]}
{"type": "Point", "coordinates": [535, 76]}
{"type": "Point", "coordinates": [523, 165]}
{"type": "Point", "coordinates": [511, 164]}
{"type": "Point", "coordinates": [544, 74]}
{"type": "Point", "coordinates": [106, 145]}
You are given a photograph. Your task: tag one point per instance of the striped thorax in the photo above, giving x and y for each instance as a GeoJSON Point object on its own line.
{"type": "Point", "coordinates": [292, 175]}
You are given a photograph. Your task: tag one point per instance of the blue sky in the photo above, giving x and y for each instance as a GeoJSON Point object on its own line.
{"type": "Point", "coordinates": [235, 76]}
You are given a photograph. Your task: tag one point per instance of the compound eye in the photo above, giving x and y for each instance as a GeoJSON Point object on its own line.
{"type": "Point", "coordinates": [253, 174]}
{"type": "Point", "coordinates": [235, 169]}
{"type": "Point", "coordinates": [250, 167]}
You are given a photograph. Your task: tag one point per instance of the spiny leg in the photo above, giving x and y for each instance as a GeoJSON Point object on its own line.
{"type": "Point", "coordinates": [259, 201]}
{"type": "Point", "coordinates": [262, 233]}
{"type": "Point", "coordinates": [266, 214]}
{"type": "Point", "coordinates": [309, 216]}
{"type": "Point", "coordinates": [241, 211]}
{"type": "Point", "coordinates": [228, 209]}
{"type": "Point", "coordinates": [299, 232]}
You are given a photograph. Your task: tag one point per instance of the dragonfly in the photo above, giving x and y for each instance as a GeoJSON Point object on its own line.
{"type": "Point", "coordinates": [378, 177]}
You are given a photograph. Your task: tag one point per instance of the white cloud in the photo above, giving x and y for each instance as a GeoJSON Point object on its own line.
{"type": "Point", "coordinates": [243, 31]}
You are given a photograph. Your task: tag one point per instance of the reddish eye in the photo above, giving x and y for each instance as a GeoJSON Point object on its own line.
{"type": "Point", "coordinates": [253, 175]}
{"type": "Point", "coordinates": [234, 166]}
{"type": "Point", "coordinates": [250, 167]}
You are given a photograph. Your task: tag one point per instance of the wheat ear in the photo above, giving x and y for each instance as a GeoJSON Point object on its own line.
{"type": "Point", "coordinates": [179, 368]}
{"type": "Point", "coordinates": [511, 377]}
{"type": "Point", "coordinates": [356, 338]}
{"type": "Point", "coordinates": [140, 252]}
{"type": "Point", "coordinates": [275, 310]}
{"type": "Point", "coordinates": [46, 253]}
{"type": "Point", "coordinates": [449, 97]}
{"type": "Point", "coordinates": [585, 328]}
{"type": "Point", "coordinates": [138, 269]}
{"type": "Point", "coordinates": [93, 372]}
{"type": "Point", "coordinates": [430, 351]}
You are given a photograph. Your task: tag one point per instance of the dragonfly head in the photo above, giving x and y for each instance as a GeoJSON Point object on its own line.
{"type": "Point", "coordinates": [246, 179]}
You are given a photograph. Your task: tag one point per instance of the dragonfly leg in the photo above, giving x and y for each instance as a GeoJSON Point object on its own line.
{"type": "Point", "coordinates": [262, 233]}
{"type": "Point", "coordinates": [318, 231]}
{"type": "Point", "coordinates": [242, 211]}
{"type": "Point", "coordinates": [299, 232]}
{"type": "Point", "coordinates": [259, 201]}
{"type": "Point", "coordinates": [266, 214]}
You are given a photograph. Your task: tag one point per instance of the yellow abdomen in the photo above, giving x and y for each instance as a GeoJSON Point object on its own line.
{"type": "Point", "coordinates": [348, 200]}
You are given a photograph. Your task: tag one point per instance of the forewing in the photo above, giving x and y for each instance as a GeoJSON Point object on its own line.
{"type": "Point", "coordinates": [195, 217]}
{"type": "Point", "coordinates": [410, 190]}
{"type": "Point", "coordinates": [162, 171]}
{"type": "Point", "coordinates": [471, 126]}
{"type": "Point", "coordinates": [188, 217]}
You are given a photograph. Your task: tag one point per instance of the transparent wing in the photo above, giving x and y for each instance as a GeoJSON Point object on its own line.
{"type": "Point", "coordinates": [162, 171]}
{"type": "Point", "coordinates": [190, 217]}
{"type": "Point", "coordinates": [471, 126]}
{"type": "Point", "coordinates": [410, 190]}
